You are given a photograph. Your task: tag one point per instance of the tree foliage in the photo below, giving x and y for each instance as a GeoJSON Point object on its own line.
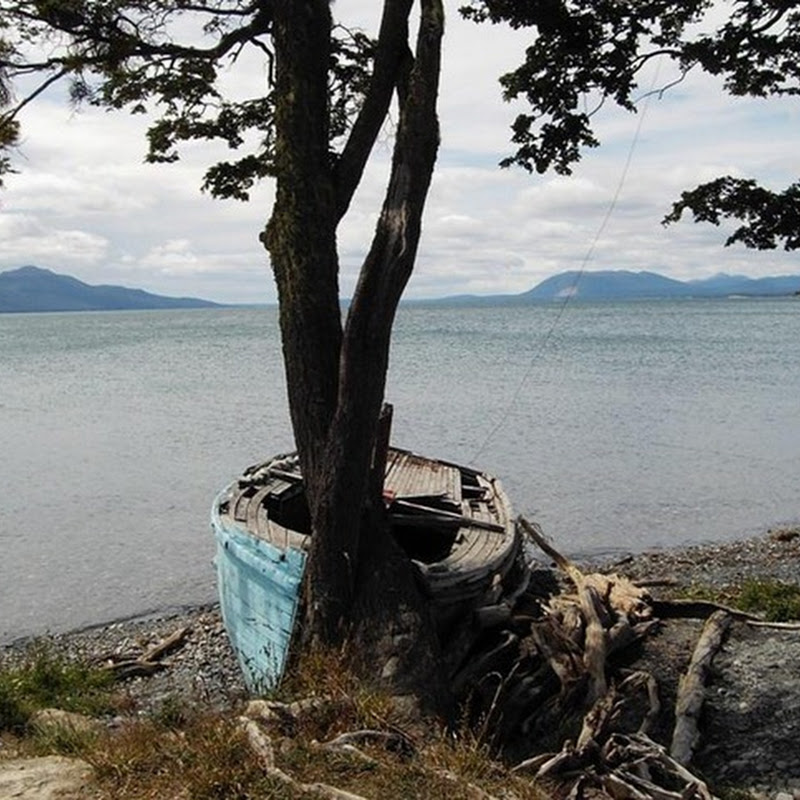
{"type": "Point", "coordinates": [172, 58]}
{"type": "Point", "coordinates": [9, 128]}
{"type": "Point", "coordinates": [588, 52]}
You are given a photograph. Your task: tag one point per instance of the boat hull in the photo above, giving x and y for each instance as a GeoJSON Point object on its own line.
{"type": "Point", "coordinates": [259, 589]}
{"type": "Point", "coordinates": [454, 522]}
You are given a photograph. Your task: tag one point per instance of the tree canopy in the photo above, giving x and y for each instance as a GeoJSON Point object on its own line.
{"type": "Point", "coordinates": [596, 51]}
{"type": "Point", "coordinates": [169, 57]}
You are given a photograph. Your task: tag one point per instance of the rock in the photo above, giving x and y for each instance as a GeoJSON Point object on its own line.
{"type": "Point", "coordinates": [54, 719]}
{"type": "Point", "coordinates": [48, 778]}
{"type": "Point", "coordinates": [784, 796]}
{"type": "Point", "coordinates": [784, 534]}
{"type": "Point", "coordinates": [390, 668]}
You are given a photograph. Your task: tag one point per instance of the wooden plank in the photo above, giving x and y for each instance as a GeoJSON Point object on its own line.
{"type": "Point", "coordinates": [240, 503]}
{"type": "Point", "coordinates": [440, 516]}
{"type": "Point", "coordinates": [255, 510]}
{"type": "Point", "coordinates": [412, 475]}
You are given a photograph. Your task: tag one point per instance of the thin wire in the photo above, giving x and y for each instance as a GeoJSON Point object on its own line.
{"type": "Point", "coordinates": [579, 274]}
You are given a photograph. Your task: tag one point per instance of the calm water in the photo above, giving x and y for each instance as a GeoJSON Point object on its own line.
{"type": "Point", "coordinates": [617, 426]}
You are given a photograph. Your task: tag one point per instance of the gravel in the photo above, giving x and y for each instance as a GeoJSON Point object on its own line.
{"type": "Point", "coordinates": [750, 724]}
{"type": "Point", "coordinates": [203, 671]}
{"type": "Point", "coordinates": [751, 718]}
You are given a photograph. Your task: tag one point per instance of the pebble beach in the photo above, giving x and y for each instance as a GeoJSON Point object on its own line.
{"type": "Point", "coordinates": [752, 714]}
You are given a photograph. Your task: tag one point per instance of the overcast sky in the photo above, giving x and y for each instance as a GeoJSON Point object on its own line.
{"type": "Point", "coordinates": [84, 202]}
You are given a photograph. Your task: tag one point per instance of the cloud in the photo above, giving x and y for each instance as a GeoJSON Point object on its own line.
{"type": "Point", "coordinates": [26, 240]}
{"type": "Point", "coordinates": [85, 201]}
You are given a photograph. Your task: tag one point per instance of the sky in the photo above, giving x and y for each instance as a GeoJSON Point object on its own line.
{"type": "Point", "coordinates": [85, 203]}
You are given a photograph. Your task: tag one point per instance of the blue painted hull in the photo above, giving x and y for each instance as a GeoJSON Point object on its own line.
{"type": "Point", "coordinates": [259, 589]}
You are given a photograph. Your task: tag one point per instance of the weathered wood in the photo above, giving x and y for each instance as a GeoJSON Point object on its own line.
{"type": "Point", "coordinates": [123, 670]}
{"type": "Point", "coordinates": [172, 642]}
{"type": "Point", "coordinates": [692, 686]}
{"type": "Point", "coordinates": [594, 653]}
{"type": "Point", "coordinates": [595, 722]}
{"type": "Point", "coordinates": [535, 532]}
{"type": "Point", "coordinates": [698, 609]}
{"type": "Point", "coordinates": [439, 515]}
{"type": "Point", "coordinates": [645, 679]}
{"type": "Point", "coordinates": [128, 666]}
{"type": "Point", "coordinates": [261, 745]}
{"type": "Point", "coordinates": [393, 741]}
{"type": "Point", "coordinates": [781, 626]}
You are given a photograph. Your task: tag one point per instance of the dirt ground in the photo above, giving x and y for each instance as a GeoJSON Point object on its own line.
{"type": "Point", "coordinates": [750, 723]}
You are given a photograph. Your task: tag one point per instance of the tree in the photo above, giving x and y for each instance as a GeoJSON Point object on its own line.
{"type": "Point", "coordinates": [328, 94]}
{"type": "Point", "coordinates": [326, 86]}
{"type": "Point", "coordinates": [597, 50]}
{"type": "Point", "coordinates": [9, 128]}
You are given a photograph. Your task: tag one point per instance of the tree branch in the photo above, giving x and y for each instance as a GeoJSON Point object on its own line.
{"type": "Point", "coordinates": [391, 51]}
{"type": "Point", "coordinates": [12, 113]}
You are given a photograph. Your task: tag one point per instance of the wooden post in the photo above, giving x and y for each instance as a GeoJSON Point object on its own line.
{"type": "Point", "coordinates": [380, 453]}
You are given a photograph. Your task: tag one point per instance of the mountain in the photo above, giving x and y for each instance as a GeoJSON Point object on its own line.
{"type": "Point", "coordinates": [36, 289]}
{"type": "Point", "coordinates": [626, 285]}
{"type": "Point", "coordinates": [607, 285]}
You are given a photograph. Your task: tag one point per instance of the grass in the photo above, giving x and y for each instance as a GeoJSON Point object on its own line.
{"type": "Point", "coordinates": [180, 751]}
{"type": "Point", "coordinates": [206, 758]}
{"type": "Point", "coordinates": [779, 602]}
{"type": "Point", "coordinates": [775, 600]}
{"type": "Point", "coordinates": [45, 679]}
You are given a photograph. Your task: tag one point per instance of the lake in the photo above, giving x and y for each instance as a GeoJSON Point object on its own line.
{"type": "Point", "coordinates": [618, 426]}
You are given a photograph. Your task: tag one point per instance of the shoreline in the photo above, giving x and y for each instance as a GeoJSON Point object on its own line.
{"type": "Point", "coordinates": [606, 560]}
{"type": "Point", "coordinates": [751, 717]}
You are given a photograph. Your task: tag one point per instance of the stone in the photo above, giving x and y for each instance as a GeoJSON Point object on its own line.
{"type": "Point", "coordinates": [390, 668]}
{"type": "Point", "coordinates": [784, 796]}
{"type": "Point", "coordinates": [47, 778]}
{"type": "Point", "coordinates": [50, 719]}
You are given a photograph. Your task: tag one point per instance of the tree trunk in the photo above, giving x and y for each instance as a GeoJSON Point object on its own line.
{"type": "Point", "coordinates": [336, 378]}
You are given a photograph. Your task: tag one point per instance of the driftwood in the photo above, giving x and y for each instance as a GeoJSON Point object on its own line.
{"type": "Point", "coordinates": [692, 687]}
{"type": "Point", "coordinates": [126, 666]}
{"type": "Point", "coordinates": [698, 609]}
{"type": "Point", "coordinates": [261, 745]}
{"type": "Point", "coordinates": [392, 741]}
{"type": "Point", "coordinates": [621, 765]}
{"type": "Point", "coordinates": [542, 663]}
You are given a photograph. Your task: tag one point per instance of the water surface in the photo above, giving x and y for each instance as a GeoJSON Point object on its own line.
{"type": "Point", "coordinates": [618, 426]}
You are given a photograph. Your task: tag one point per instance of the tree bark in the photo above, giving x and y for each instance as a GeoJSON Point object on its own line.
{"type": "Point", "coordinates": [336, 377]}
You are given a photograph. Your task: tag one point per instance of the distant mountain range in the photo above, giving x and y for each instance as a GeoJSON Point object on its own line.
{"type": "Point", "coordinates": [36, 289]}
{"type": "Point", "coordinates": [626, 285]}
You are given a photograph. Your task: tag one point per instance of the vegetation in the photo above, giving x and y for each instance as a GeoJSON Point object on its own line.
{"type": "Point", "coordinates": [328, 93]}
{"type": "Point", "coordinates": [775, 600]}
{"type": "Point", "coordinates": [182, 750]}
{"type": "Point", "coordinates": [45, 679]}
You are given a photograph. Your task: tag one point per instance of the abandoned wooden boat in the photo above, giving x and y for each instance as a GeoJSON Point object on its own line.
{"type": "Point", "coordinates": [454, 522]}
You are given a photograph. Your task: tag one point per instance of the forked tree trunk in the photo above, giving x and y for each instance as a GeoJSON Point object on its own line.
{"type": "Point", "coordinates": [336, 376]}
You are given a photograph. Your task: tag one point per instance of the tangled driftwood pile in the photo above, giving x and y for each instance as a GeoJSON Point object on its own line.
{"type": "Point", "coordinates": [552, 681]}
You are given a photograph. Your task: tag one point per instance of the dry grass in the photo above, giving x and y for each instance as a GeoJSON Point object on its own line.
{"type": "Point", "coordinates": [191, 754]}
